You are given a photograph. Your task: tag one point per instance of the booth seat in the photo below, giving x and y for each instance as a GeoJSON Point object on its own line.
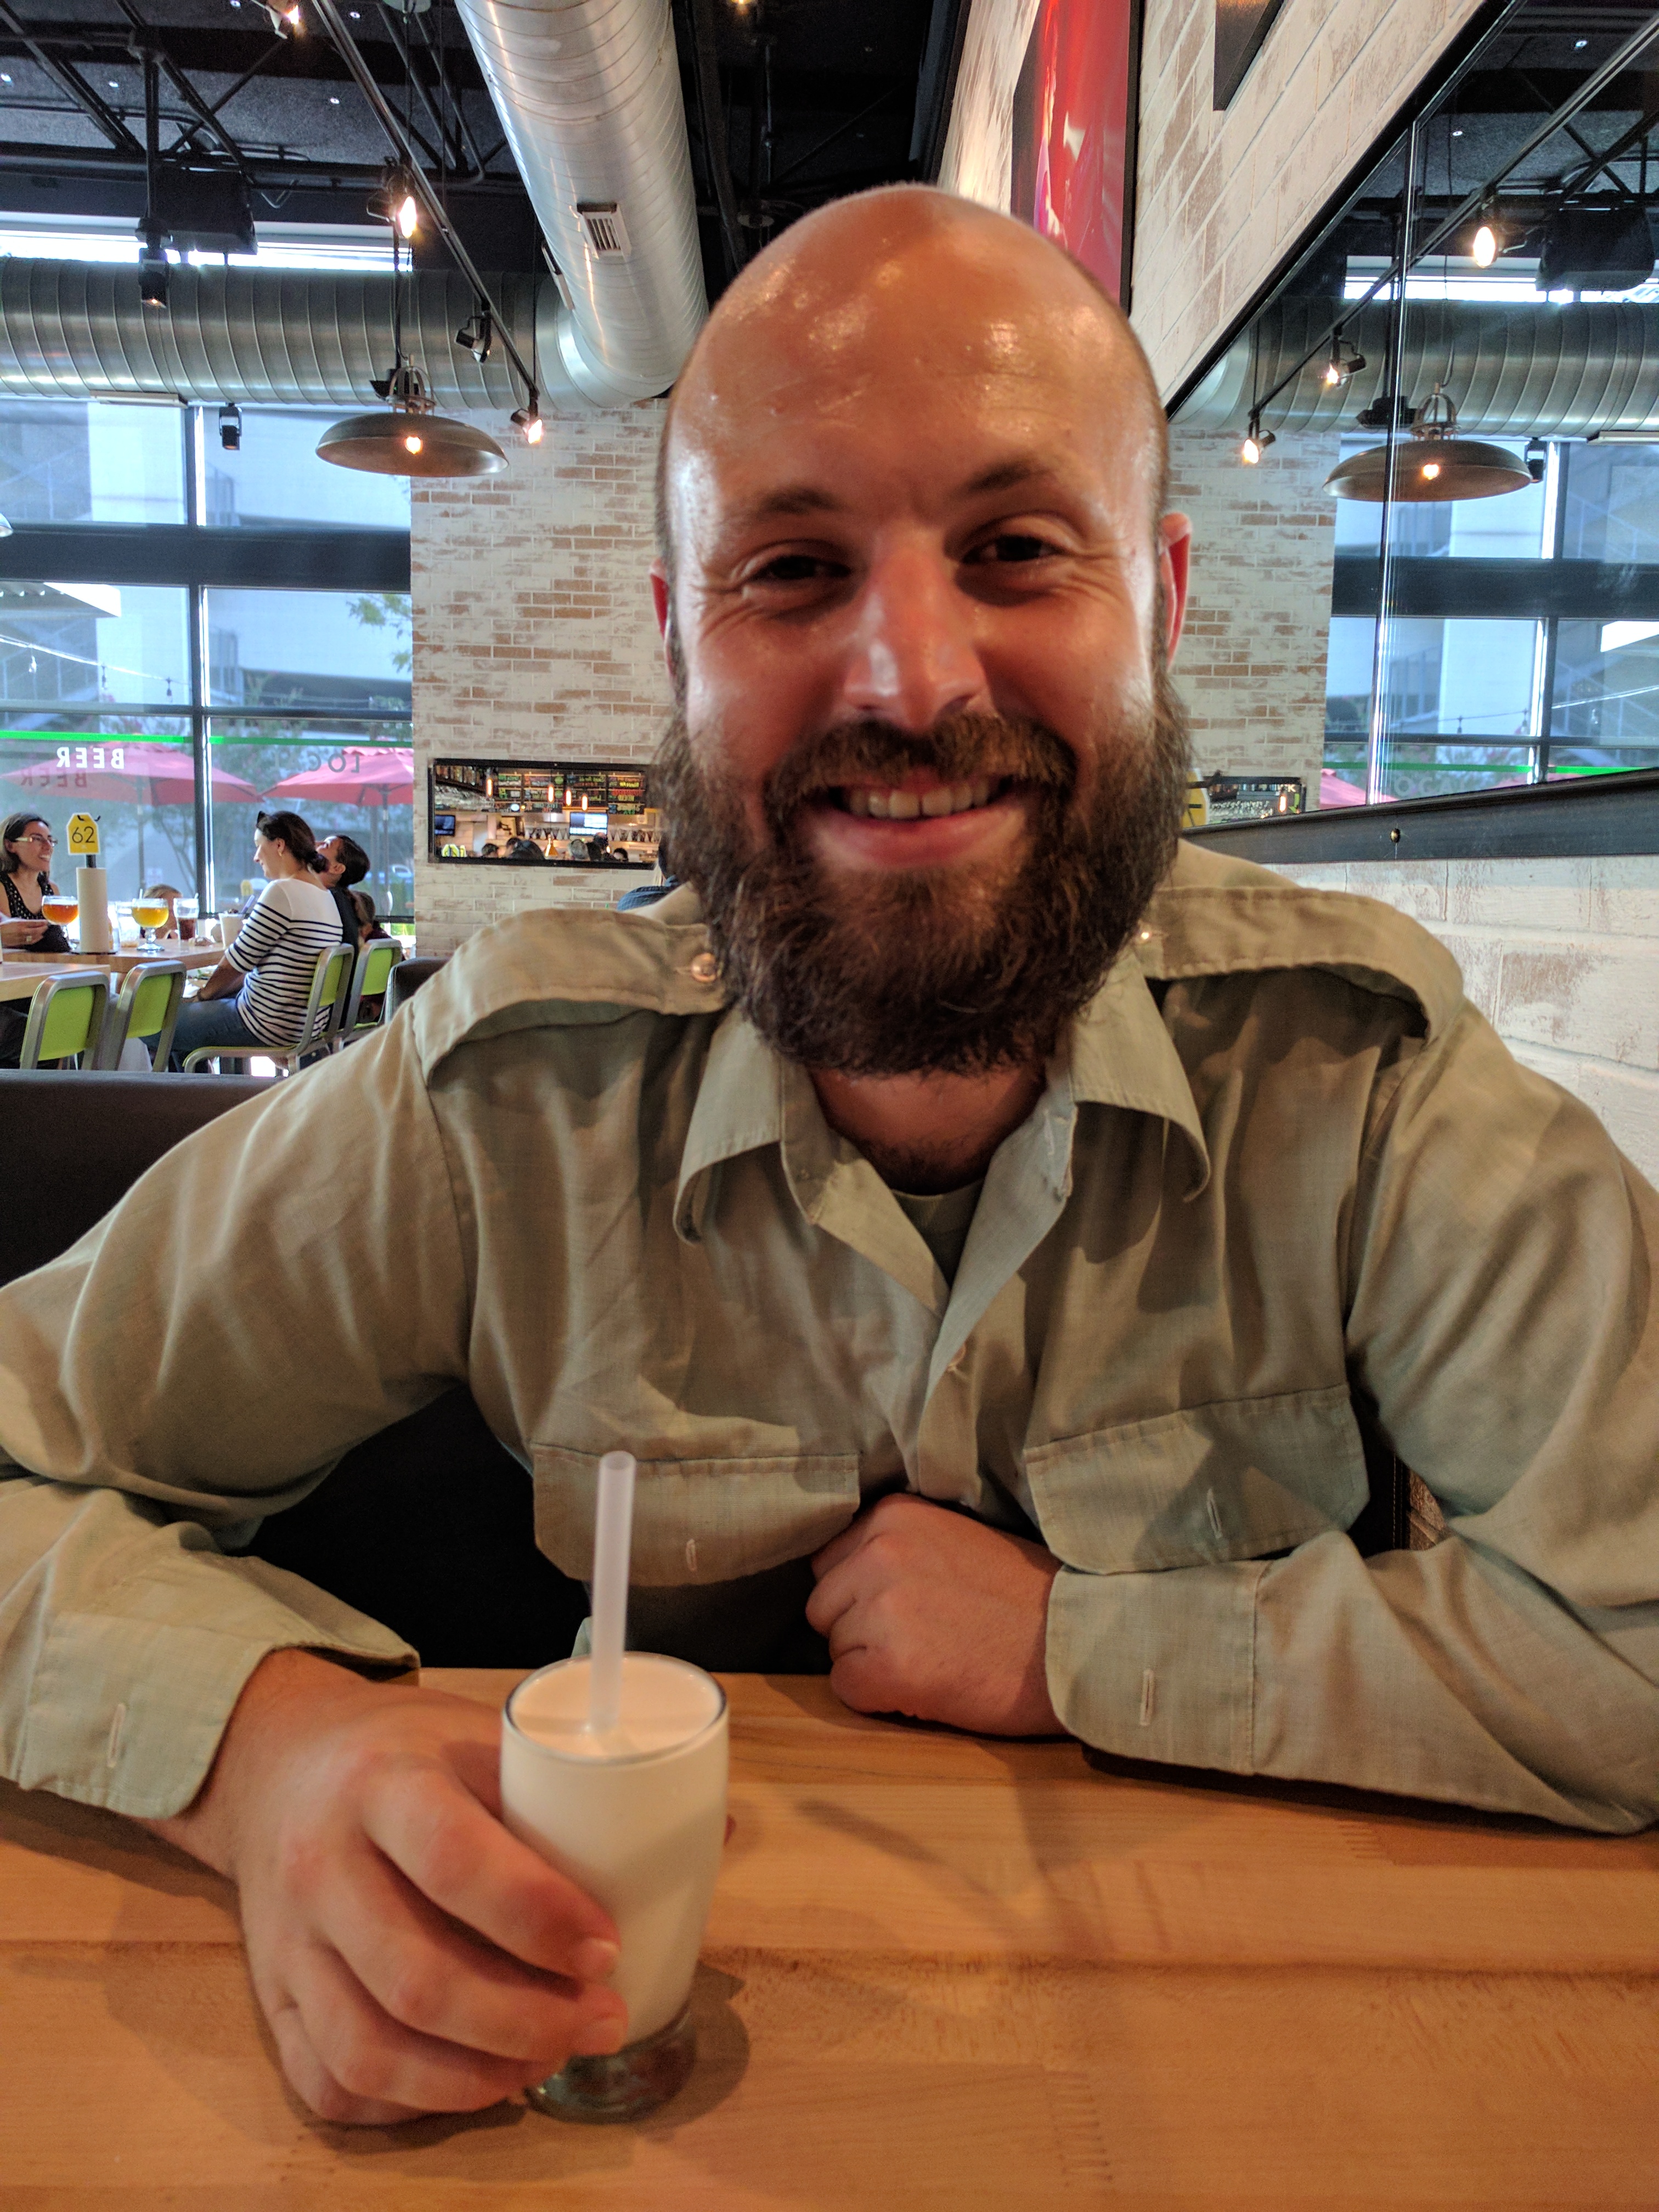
{"type": "Point", "coordinates": [426, 1527]}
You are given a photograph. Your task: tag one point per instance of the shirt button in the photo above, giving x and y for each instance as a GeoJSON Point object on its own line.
{"type": "Point", "coordinates": [704, 968]}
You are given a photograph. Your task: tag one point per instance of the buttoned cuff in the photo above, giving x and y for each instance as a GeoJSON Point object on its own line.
{"type": "Point", "coordinates": [126, 1710]}
{"type": "Point", "coordinates": [1157, 1666]}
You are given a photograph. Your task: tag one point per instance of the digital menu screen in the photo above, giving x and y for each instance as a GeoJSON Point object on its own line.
{"type": "Point", "coordinates": [481, 809]}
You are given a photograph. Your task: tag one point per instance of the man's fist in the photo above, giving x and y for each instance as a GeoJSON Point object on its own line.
{"type": "Point", "coordinates": [932, 1613]}
{"type": "Point", "coordinates": [410, 1955]}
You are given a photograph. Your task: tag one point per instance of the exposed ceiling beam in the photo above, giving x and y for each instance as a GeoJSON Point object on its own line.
{"type": "Point", "coordinates": [68, 79]}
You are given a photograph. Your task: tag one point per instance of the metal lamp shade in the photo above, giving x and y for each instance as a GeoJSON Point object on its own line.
{"type": "Point", "coordinates": [1426, 469]}
{"type": "Point", "coordinates": [379, 444]}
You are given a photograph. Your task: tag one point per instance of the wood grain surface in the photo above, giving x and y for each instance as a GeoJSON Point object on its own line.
{"type": "Point", "coordinates": [939, 1973]}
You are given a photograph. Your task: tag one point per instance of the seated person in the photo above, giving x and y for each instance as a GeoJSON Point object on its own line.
{"type": "Point", "coordinates": [257, 993]}
{"type": "Point", "coordinates": [999, 1231]}
{"type": "Point", "coordinates": [489, 850]}
{"type": "Point", "coordinates": [525, 850]}
{"type": "Point", "coordinates": [26, 850]}
{"type": "Point", "coordinates": [342, 863]}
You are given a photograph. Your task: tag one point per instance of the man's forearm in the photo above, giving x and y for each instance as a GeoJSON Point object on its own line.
{"type": "Point", "coordinates": [1431, 1674]}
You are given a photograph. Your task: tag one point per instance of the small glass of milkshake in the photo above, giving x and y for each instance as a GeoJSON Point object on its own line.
{"type": "Point", "coordinates": [635, 1815]}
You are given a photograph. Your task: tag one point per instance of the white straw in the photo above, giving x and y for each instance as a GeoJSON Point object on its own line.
{"type": "Point", "coordinates": [613, 1535]}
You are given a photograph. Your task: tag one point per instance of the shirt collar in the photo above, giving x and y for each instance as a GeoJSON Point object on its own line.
{"type": "Point", "coordinates": [1122, 1056]}
{"type": "Point", "coordinates": [1119, 1054]}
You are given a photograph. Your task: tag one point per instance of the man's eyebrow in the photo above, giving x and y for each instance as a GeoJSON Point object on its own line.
{"type": "Point", "coordinates": [1008, 475]}
{"type": "Point", "coordinates": [791, 499]}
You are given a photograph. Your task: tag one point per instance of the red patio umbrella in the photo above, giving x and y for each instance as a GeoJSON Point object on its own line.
{"type": "Point", "coordinates": [1336, 791]}
{"type": "Point", "coordinates": [383, 775]}
{"type": "Point", "coordinates": [127, 772]}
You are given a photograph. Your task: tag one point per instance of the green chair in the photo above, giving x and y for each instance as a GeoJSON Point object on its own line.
{"type": "Point", "coordinates": [147, 1011]}
{"type": "Point", "coordinates": [331, 981]}
{"type": "Point", "coordinates": [373, 974]}
{"type": "Point", "coordinates": [66, 1018]}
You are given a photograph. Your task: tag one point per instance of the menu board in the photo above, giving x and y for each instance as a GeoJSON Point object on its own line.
{"type": "Point", "coordinates": [539, 787]}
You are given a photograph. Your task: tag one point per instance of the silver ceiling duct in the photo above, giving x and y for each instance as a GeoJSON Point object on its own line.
{"type": "Point", "coordinates": [1517, 372]}
{"type": "Point", "coordinates": [588, 92]}
{"type": "Point", "coordinates": [77, 330]}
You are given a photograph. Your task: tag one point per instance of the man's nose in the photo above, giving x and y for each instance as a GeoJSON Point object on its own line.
{"type": "Point", "coordinates": [913, 655]}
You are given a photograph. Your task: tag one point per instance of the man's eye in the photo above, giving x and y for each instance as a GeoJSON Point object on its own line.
{"type": "Point", "coordinates": [1011, 546]}
{"type": "Point", "coordinates": [794, 568]}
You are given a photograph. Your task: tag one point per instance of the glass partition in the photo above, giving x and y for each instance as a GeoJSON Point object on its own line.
{"type": "Point", "coordinates": [1425, 481]}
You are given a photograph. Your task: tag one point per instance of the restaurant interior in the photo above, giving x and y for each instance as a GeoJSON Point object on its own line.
{"type": "Point", "coordinates": [335, 347]}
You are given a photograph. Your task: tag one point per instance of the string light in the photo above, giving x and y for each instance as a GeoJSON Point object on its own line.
{"type": "Point", "coordinates": [1483, 251]}
{"type": "Point", "coordinates": [411, 444]}
{"type": "Point", "coordinates": [1430, 470]}
{"type": "Point", "coordinates": [409, 215]}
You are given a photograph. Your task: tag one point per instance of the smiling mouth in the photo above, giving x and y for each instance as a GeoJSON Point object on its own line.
{"type": "Point", "coordinates": [884, 803]}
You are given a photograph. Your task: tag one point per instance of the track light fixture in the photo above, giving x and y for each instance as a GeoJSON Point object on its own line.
{"type": "Point", "coordinates": [1257, 442]}
{"type": "Point", "coordinates": [230, 427]}
{"type": "Point", "coordinates": [153, 275]}
{"type": "Point", "coordinates": [529, 420]}
{"type": "Point", "coordinates": [1343, 366]}
{"type": "Point", "coordinates": [395, 199]}
{"type": "Point", "coordinates": [1537, 459]}
{"type": "Point", "coordinates": [477, 335]}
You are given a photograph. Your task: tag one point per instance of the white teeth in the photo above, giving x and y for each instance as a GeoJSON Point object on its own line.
{"type": "Point", "coordinates": [909, 805]}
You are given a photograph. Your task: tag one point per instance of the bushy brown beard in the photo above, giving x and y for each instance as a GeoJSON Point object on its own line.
{"type": "Point", "coordinates": [948, 971]}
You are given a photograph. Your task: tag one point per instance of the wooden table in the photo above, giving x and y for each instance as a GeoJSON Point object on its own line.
{"type": "Point", "coordinates": [942, 1975]}
{"type": "Point", "coordinates": [23, 983]}
{"type": "Point", "coordinates": [119, 964]}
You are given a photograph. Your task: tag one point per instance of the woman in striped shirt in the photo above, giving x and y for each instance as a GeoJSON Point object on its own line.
{"type": "Point", "coordinates": [256, 995]}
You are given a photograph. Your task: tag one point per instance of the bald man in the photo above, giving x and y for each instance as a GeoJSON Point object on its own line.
{"type": "Point", "coordinates": [1001, 1241]}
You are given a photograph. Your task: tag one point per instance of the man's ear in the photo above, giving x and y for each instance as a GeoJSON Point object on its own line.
{"type": "Point", "coordinates": [662, 599]}
{"type": "Point", "coordinates": [1175, 551]}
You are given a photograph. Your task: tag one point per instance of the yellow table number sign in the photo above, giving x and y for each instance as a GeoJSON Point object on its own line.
{"type": "Point", "coordinates": [83, 837]}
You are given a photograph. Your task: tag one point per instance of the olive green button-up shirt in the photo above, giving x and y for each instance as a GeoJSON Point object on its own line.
{"type": "Point", "coordinates": [1285, 1187]}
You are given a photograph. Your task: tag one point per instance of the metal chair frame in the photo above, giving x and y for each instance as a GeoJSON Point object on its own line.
{"type": "Point", "coordinates": [352, 1026]}
{"type": "Point", "coordinates": [330, 981]}
{"type": "Point", "coordinates": [117, 1017]}
{"type": "Point", "coordinates": [40, 1002]}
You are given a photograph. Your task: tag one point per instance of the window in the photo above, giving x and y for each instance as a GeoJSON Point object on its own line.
{"type": "Point", "coordinates": [173, 708]}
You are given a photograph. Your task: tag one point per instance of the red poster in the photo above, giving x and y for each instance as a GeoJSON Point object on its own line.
{"type": "Point", "coordinates": [1074, 131]}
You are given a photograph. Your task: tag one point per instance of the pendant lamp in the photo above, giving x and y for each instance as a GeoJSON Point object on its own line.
{"type": "Point", "coordinates": [407, 438]}
{"type": "Point", "coordinates": [1433, 463]}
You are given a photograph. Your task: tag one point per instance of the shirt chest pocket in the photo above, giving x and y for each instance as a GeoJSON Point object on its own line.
{"type": "Point", "coordinates": [698, 1520]}
{"type": "Point", "coordinates": [1231, 1481]}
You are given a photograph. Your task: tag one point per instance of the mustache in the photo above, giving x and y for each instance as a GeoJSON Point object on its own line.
{"type": "Point", "coordinates": [957, 749]}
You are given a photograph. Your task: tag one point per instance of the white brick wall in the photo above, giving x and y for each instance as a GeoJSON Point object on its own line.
{"type": "Point", "coordinates": [1221, 197]}
{"type": "Point", "coordinates": [1252, 661]}
{"type": "Point", "coordinates": [1563, 958]}
{"type": "Point", "coordinates": [534, 639]}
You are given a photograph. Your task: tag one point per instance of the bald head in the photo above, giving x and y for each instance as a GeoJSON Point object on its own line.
{"type": "Point", "coordinates": [859, 306]}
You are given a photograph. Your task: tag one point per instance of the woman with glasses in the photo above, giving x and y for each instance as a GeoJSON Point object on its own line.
{"type": "Point", "coordinates": [26, 849]}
